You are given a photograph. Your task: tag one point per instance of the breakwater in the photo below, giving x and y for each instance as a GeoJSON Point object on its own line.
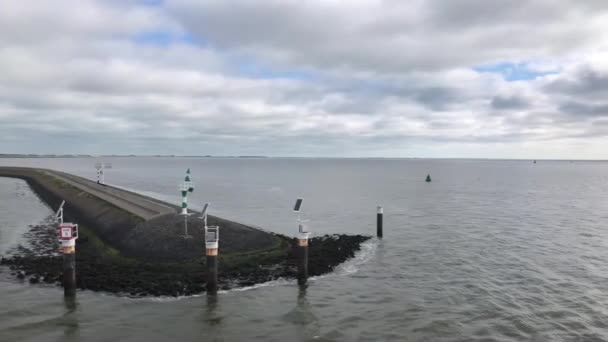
{"type": "Point", "coordinates": [132, 244]}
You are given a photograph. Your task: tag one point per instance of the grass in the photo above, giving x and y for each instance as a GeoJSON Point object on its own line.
{"type": "Point", "coordinates": [266, 256]}
{"type": "Point", "coordinates": [97, 244]}
{"type": "Point", "coordinates": [97, 249]}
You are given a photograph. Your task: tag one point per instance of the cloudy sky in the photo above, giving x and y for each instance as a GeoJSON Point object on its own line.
{"type": "Point", "coordinates": [356, 78]}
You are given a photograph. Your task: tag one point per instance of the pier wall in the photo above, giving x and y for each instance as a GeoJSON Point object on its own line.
{"type": "Point", "coordinates": [112, 224]}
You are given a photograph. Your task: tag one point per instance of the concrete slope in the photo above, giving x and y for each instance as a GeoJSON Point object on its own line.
{"type": "Point", "coordinates": [136, 204]}
{"type": "Point", "coordinates": [136, 225]}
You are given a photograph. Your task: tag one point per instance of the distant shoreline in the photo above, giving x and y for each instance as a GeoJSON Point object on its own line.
{"type": "Point", "coordinates": [115, 156]}
{"type": "Point", "coordinates": [59, 156]}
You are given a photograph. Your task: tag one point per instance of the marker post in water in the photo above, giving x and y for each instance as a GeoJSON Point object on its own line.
{"type": "Point", "coordinates": [302, 245]}
{"type": "Point", "coordinates": [186, 187]}
{"type": "Point", "coordinates": [212, 238]}
{"type": "Point", "coordinates": [100, 173]}
{"type": "Point", "coordinates": [67, 233]}
{"type": "Point", "coordinates": [379, 219]}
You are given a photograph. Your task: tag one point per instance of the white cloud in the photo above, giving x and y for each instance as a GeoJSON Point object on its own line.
{"type": "Point", "coordinates": [395, 36]}
{"type": "Point", "coordinates": [303, 78]}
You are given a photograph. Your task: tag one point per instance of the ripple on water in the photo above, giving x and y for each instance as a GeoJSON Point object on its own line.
{"type": "Point", "coordinates": [491, 251]}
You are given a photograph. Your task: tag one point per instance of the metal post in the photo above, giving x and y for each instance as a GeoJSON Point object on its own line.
{"type": "Point", "coordinates": [59, 214]}
{"type": "Point", "coordinates": [186, 225]}
{"type": "Point", "coordinates": [184, 203]}
{"type": "Point", "coordinates": [212, 270]}
{"type": "Point", "coordinates": [302, 256]}
{"type": "Point", "coordinates": [211, 252]}
{"type": "Point", "coordinates": [379, 221]}
{"type": "Point", "coordinates": [68, 249]}
{"type": "Point", "coordinates": [185, 187]}
{"type": "Point", "coordinates": [67, 233]}
{"type": "Point", "coordinates": [301, 250]}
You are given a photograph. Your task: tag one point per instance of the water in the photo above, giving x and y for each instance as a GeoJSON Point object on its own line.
{"type": "Point", "coordinates": [489, 251]}
{"type": "Point", "coordinates": [16, 197]}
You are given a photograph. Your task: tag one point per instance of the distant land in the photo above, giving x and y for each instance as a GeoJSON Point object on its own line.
{"type": "Point", "coordinates": [33, 155]}
{"type": "Point", "coordinates": [113, 156]}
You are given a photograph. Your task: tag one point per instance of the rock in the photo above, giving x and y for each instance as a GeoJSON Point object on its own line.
{"type": "Point", "coordinates": [96, 271]}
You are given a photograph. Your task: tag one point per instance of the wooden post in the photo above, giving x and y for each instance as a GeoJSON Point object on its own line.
{"type": "Point", "coordinates": [211, 270]}
{"type": "Point", "coordinates": [68, 249]}
{"type": "Point", "coordinates": [379, 222]}
{"type": "Point", "coordinates": [302, 257]}
{"type": "Point", "coordinates": [67, 234]}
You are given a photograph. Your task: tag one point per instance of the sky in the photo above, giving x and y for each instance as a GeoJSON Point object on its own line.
{"type": "Point", "coordinates": [357, 78]}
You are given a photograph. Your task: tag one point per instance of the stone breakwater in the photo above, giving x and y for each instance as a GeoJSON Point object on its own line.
{"type": "Point", "coordinates": [135, 225]}
{"type": "Point", "coordinates": [101, 270]}
{"type": "Point", "coordinates": [131, 244]}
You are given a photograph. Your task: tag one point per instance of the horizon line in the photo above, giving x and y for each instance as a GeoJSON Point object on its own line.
{"type": "Point", "coordinates": [80, 155]}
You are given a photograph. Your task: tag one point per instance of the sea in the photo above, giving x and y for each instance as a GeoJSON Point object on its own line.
{"type": "Point", "coordinates": [490, 250]}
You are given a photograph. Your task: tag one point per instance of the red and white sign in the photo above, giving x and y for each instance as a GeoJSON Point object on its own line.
{"type": "Point", "coordinates": [67, 231]}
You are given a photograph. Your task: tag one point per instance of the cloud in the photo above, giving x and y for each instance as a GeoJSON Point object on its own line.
{"type": "Point", "coordinates": [509, 102]}
{"type": "Point", "coordinates": [584, 80]}
{"type": "Point", "coordinates": [582, 109]}
{"type": "Point", "coordinates": [393, 36]}
{"type": "Point", "coordinates": [357, 78]}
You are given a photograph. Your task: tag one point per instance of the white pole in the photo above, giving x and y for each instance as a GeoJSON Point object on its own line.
{"type": "Point", "coordinates": [184, 203]}
{"type": "Point", "coordinates": [186, 187]}
{"type": "Point", "coordinates": [186, 225]}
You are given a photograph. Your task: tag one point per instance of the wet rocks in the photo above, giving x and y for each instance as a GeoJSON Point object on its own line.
{"type": "Point", "coordinates": [123, 254]}
{"type": "Point", "coordinates": [327, 252]}
{"type": "Point", "coordinates": [160, 239]}
{"type": "Point", "coordinates": [98, 272]}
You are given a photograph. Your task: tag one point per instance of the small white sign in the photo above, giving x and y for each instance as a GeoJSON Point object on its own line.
{"type": "Point", "coordinates": [210, 236]}
{"type": "Point", "coordinates": [66, 232]}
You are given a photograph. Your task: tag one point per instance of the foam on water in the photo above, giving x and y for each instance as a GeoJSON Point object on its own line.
{"type": "Point", "coordinates": [272, 283]}
{"type": "Point", "coordinates": [368, 250]}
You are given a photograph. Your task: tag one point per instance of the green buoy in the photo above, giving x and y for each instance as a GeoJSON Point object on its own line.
{"type": "Point", "coordinates": [428, 178]}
